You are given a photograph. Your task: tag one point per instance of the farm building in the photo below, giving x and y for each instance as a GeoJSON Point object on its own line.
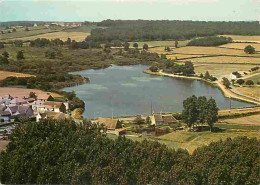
{"type": "Point", "coordinates": [110, 123]}
{"type": "Point", "coordinates": [159, 119]}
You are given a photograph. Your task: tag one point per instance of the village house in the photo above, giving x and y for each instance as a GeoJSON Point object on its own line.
{"type": "Point", "coordinates": [113, 126]}
{"type": "Point", "coordinates": [43, 97]}
{"type": "Point", "coordinates": [159, 119]}
{"type": "Point", "coordinates": [51, 115]}
{"type": "Point", "coordinates": [52, 106]}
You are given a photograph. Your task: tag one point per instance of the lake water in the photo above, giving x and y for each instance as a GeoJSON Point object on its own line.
{"type": "Point", "coordinates": [126, 90]}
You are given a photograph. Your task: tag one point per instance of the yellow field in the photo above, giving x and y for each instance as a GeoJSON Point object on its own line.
{"type": "Point", "coordinates": [199, 50]}
{"type": "Point", "coordinates": [248, 120]}
{"type": "Point", "coordinates": [240, 38]}
{"type": "Point", "coordinates": [241, 45]}
{"type": "Point", "coordinates": [181, 56]}
{"type": "Point", "coordinates": [160, 43]}
{"type": "Point", "coordinates": [227, 60]}
{"type": "Point", "coordinates": [249, 91]}
{"type": "Point", "coordinates": [16, 92]}
{"type": "Point", "coordinates": [219, 70]}
{"type": "Point", "coordinates": [5, 74]}
{"type": "Point", "coordinates": [77, 36]}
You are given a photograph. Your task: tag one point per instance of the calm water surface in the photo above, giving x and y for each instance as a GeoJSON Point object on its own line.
{"type": "Point", "coordinates": [126, 90]}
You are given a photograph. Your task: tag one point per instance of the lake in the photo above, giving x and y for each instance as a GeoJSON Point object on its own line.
{"type": "Point", "coordinates": [126, 90]}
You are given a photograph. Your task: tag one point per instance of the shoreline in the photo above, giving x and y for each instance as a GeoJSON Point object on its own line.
{"type": "Point", "coordinates": [226, 92]}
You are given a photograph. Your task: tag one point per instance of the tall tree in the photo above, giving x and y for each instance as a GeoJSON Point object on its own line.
{"type": "Point", "coordinates": [211, 113]}
{"type": "Point", "coordinates": [126, 46]}
{"type": "Point", "coordinates": [145, 47]}
{"type": "Point", "coordinates": [202, 106]}
{"type": "Point", "coordinates": [20, 55]}
{"type": "Point", "coordinates": [190, 111]}
{"type": "Point", "coordinates": [176, 44]}
{"type": "Point", "coordinates": [226, 82]}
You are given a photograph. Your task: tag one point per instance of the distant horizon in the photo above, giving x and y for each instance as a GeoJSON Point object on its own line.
{"type": "Point", "coordinates": [98, 10]}
{"type": "Point", "coordinates": [127, 20]}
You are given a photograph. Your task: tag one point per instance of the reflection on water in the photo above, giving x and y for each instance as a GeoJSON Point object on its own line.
{"type": "Point", "coordinates": [126, 90]}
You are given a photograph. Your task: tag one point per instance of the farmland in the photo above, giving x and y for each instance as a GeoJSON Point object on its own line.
{"type": "Point", "coordinates": [242, 38]}
{"type": "Point", "coordinates": [217, 69]}
{"type": "Point", "coordinates": [16, 92]}
{"type": "Point", "coordinates": [170, 43]}
{"type": "Point", "coordinates": [5, 74]}
{"type": "Point", "coordinates": [77, 36]}
{"type": "Point", "coordinates": [227, 60]}
{"type": "Point", "coordinates": [210, 51]}
{"type": "Point", "coordinates": [240, 46]}
{"type": "Point", "coordinates": [249, 91]}
{"type": "Point", "coordinates": [20, 33]}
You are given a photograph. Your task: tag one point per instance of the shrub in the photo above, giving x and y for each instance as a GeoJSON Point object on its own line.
{"type": "Point", "coordinates": [240, 81]}
{"type": "Point", "coordinates": [249, 49]}
{"type": "Point", "coordinates": [226, 82]}
{"type": "Point", "coordinates": [249, 82]}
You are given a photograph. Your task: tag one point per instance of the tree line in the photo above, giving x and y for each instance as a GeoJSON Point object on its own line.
{"type": "Point", "coordinates": [142, 30]}
{"type": "Point", "coordinates": [210, 41]}
{"type": "Point", "coordinates": [63, 152]}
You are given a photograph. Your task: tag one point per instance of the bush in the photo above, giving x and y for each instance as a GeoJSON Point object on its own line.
{"type": "Point", "coordinates": [249, 49]}
{"type": "Point", "coordinates": [249, 82]}
{"type": "Point", "coordinates": [226, 82]}
{"type": "Point", "coordinates": [240, 81]}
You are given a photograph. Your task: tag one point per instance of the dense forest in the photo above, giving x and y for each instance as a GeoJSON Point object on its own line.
{"type": "Point", "coordinates": [63, 152]}
{"type": "Point", "coordinates": [143, 30]}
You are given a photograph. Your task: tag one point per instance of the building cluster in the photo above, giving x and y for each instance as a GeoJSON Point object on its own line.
{"type": "Point", "coordinates": [41, 106]}
{"type": "Point", "coordinates": [115, 126]}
